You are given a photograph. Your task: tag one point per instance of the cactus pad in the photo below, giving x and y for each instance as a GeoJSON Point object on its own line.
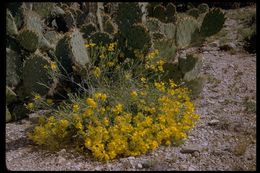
{"type": "Point", "coordinates": [184, 31]}
{"type": "Point", "coordinates": [13, 67]}
{"type": "Point", "coordinates": [213, 22]}
{"type": "Point", "coordinates": [11, 28]}
{"type": "Point", "coordinates": [34, 73]}
{"type": "Point", "coordinates": [29, 40]}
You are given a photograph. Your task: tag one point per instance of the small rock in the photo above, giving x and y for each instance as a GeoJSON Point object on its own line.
{"type": "Point", "coordinates": [61, 159]}
{"type": "Point", "coordinates": [62, 152]}
{"type": "Point", "coordinates": [212, 102]}
{"type": "Point", "coordinates": [196, 154]}
{"type": "Point", "coordinates": [139, 165]}
{"type": "Point", "coordinates": [98, 168]}
{"type": "Point", "coordinates": [190, 149]}
{"type": "Point", "coordinates": [192, 168]}
{"type": "Point", "coordinates": [214, 44]}
{"type": "Point", "coordinates": [213, 122]}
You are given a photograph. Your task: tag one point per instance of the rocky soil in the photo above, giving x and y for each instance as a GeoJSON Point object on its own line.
{"type": "Point", "coordinates": [223, 139]}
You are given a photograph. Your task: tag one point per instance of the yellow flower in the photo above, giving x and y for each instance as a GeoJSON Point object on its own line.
{"type": "Point", "coordinates": [168, 142]}
{"type": "Point", "coordinates": [91, 102]}
{"type": "Point", "coordinates": [106, 121]}
{"type": "Point", "coordinates": [101, 96]}
{"type": "Point", "coordinates": [134, 94]}
{"type": "Point", "coordinates": [90, 45]}
{"type": "Point", "coordinates": [111, 47]}
{"type": "Point", "coordinates": [53, 66]}
{"type": "Point", "coordinates": [49, 101]}
{"type": "Point", "coordinates": [159, 86]}
{"type": "Point", "coordinates": [102, 56]}
{"type": "Point", "coordinates": [79, 126]}
{"type": "Point", "coordinates": [97, 72]}
{"type": "Point", "coordinates": [128, 76]}
{"type": "Point", "coordinates": [118, 108]}
{"type": "Point", "coordinates": [37, 97]}
{"type": "Point", "coordinates": [75, 108]}
{"type": "Point", "coordinates": [64, 123]}
{"type": "Point", "coordinates": [110, 64]}
{"type": "Point", "coordinates": [30, 106]}
{"type": "Point", "coordinates": [143, 79]}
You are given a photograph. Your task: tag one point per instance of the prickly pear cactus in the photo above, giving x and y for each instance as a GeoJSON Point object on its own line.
{"type": "Point", "coordinates": [43, 9]}
{"type": "Point", "coordinates": [52, 37]}
{"type": "Point", "coordinates": [11, 28]}
{"type": "Point", "coordinates": [127, 15]}
{"type": "Point", "coordinates": [139, 38]}
{"type": "Point", "coordinates": [10, 95]}
{"type": "Point", "coordinates": [110, 27]}
{"type": "Point", "coordinates": [70, 51]}
{"type": "Point", "coordinates": [184, 31]}
{"type": "Point", "coordinates": [66, 21]}
{"type": "Point", "coordinates": [172, 71]}
{"type": "Point", "coordinates": [203, 8]}
{"type": "Point", "coordinates": [193, 12]}
{"type": "Point", "coordinates": [213, 22]}
{"type": "Point", "coordinates": [157, 36]}
{"type": "Point", "coordinates": [8, 116]}
{"type": "Point", "coordinates": [153, 24]}
{"type": "Point", "coordinates": [32, 21]}
{"type": "Point", "coordinates": [13, 67]}
{"type": "Point", "coordinates": [88, 29]}
{"type": "Point", "coordinates": [167, 48]}
{"type": "Point", "coordinates": [159, 12]}
{"type": "Point", "coordinates": [35, 75]}
{"type": "Point", "coordinates": [169, 30]}
{"type": "Point", "coordinates": [100, 38]}
{"type": "Point", "coordinates": [29, 40]}
{"type": "Point", "coordinates": [17, 13]}
{"type": "Point", "coordinates": [170, 12]}
{"type": "Point", "coordinates": [190, 66]}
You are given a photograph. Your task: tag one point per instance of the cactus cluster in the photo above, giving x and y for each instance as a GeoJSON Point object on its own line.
{"type": "Point", "coordinates": [38, 33]}
{"type": "Point", "coordinates": [163, 13]}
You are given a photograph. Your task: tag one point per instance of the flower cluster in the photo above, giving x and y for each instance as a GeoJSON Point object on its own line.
{"type": "Point", "coordinates": [111, 129]}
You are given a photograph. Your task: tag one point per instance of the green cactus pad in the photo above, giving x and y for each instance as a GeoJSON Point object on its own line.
{"type": "Point", "coordinates": [139, 38]}
{"type": "Point", "coordinates": [153, 24]}
{"type": "Point", "coordinates": [110, 27]}
{"type": "Point", "coordinates": [184, 31]}
{"type": "Point", "coordinates": [88, 29]}
{"type": "Point", "coordinates": [159, 12]}
{"type": "Point", "coordinates": [29, 40]}
{"type": "Point", "coordinates": [10, 95]}
{"type": "Point", "coordinates": [52, 37]}
{"type": "Point", "coordinates": [167, 48]}
{"type": "Point", "coordinates": [203, 8]}
{"type": "Point", "coordinates": [100, 38]}
{"type": "Point", "coordinates": [11, 28]}
{"type": "Point", "coordinates": [43, 8]}
{"type": "Point", "coordinates": [13, 67]}
{"type": "Point", "coordinates": [169, 30]}
{"type": "Point", "coordinates": [157, 36]}
{"type": "Point", "coordinates": [32, 21]}
{"type": "Point", "coordinates": [195, 86]}
{"type": "Point", "coordinates": [213, 22]}
{"type": "Point", "coordinates": [190, 66]}
{"type": "Point", "coordinates": [34, 73]}
{"type": "Point", "coordinates": [193, 12]}
{"type": "Point", "coordinates": [170, 12]}
{"type": "Point", "coordinates": [8, 116]}
{"type": "Point", "coordinates": [71, 50]}
{"type": "Point", "coordinates": [128, 13]}
{"type": "Point", "coordinates": [172, 71]}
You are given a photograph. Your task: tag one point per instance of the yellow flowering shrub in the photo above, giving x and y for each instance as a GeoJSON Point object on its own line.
{"type": "Point", "coordinates": [128, 110]}
{"type": "Point", "coordinates": [110, 130]}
